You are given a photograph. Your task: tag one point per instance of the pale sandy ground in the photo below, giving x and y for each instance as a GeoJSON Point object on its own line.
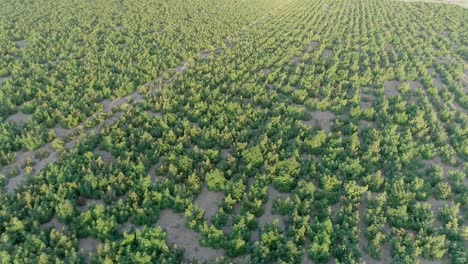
{"type": "Point", "coordinates": [463, 3]}
{"type": "Point", "coordinates": [178, 234]}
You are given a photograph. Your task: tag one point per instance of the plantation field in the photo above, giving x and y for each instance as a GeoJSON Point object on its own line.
{"type": "Point", "coordinates": [463, 3]}
{"type": "Point", "coordinates": [262, 131]}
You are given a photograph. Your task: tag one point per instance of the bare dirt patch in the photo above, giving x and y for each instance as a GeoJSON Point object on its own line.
{"type": "Point", "coordinates": [268, 217]}
{"type": "Point", "coordinates": [127, 226]}
{"type": "Point", "coordinates": [313, 45]}
{"type": "Point", "coordinates": [21, 44]}
{"type": "Point", "coordinates": [89, 203]}
{"type": "Point", "coordinates": [437, 161]}
{"type": "Point", "coordinates": [154, 114]}
{"type": "Point", "coordinates": [60, 132]}
{"type": "Point", "coordinates": [38, 166]}
{"type": "Point", "coordinates": [89, 244]}
{"type": "Point", "coordinates": [366, 124]}
{"type": "Point", "coordinates": [391, 88]}
{"type": "Point", "coordinates": [105, 156]}
{"type": "Point", "coordinates": [209, 201]}
{"type": "Point", "coordinates": [415, 86]}
{"type": "Point", "coordinates": [297, 60]}
{"type": "Point", "coordinates": [182, 67]}
{"type": "Point", "coordinates": [178, 234]}
{"type": "Point", "coordinates": [265, 71]}
{"type": "Point", "coordinates": [388, 47]}
{"type": "Point", "coordinates": [322, 118]}
{"type": "Point", "coordinates": [55, 224]}
{"type": "Point", "coordinates": [4, 79]}
{"type": "Point", "coordinates": [327, 53]}
{"type": "Point", "coordinates": [225, 153]}
{"type": "Point", "coordinates": [366, 100]}
{"type": "Point", "coordinates": [205, 55]}
{"type": "Point", "coordinates": [19, 118]}
{"type": "Point", "coordinates": [437, 82]}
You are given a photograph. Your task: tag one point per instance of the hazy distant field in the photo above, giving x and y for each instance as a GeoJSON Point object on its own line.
{"type": "Point", "coordinates": [463, 3]}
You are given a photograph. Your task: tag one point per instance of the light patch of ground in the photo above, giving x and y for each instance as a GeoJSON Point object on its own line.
{"type": "Point", "coordinates": [55, 224]}
{"type": "Point", "coordinates": [21, 44]}
{"type": "Point", "coordinates": [105, 156]}
{"type": "Point", "coordinates": [154, 114]}
{"type": "Point", "coordinates": [127, 226]}
{"type": "Point", "coordinates": [268, 217]}
{"type": "Point", "coordinates": [182, 67]}
{"type": "Point", "coordinates": [19, 118]}
{"type": "Point", "coordinates": [297, 60]}
{"type": "Point", "coordinates": [265, 71]}
{"type": "Point", "coordinates": [465, 80]}
{"type": "Point", "coordinates": [4, 79]}
{"type": "Point", "coordinates": [388, 47]}
{"type": "Point", "coordinates": [365, 124]}
{"type": "Point", "coordinates": [225, 153]}
{"type": "Point", "coordinates": [61, 132]}
{"type": "Point", "coordinates": [178, 234]}
{"type": "Point", "coordinates": [313, 45]}
{"type": "Point", "coordinates": [437, 82]}
{"type": "Point", "coordinates": [437, 161]}
{"type": "Point", "coordinates": [89, 203]}
{"type": "Point", "coordinates": [391, 88]}
{"type": "Point", "coordinates": [120, 27]}
{"type": "Point", "coordinates": [152, 172]}
{"type": "Point", "coordinates": [327, 53]}
{"type": "Point", "coordinates": [322, 118]}
{"type": "Point", "coordinates": [205, 55]}
{"type": "Point", "coordinates": [89, 244]}
{"type": "Point", "coordinates": [416, 85]}
{"type": "Point", "coordinates": [366, 100]}
{"type": "Point", "coordinates": [108, 104]}
{"type": "Point", "coordinates": [17, 180]}
{"type": "Point", "coordinates": [209, 201]}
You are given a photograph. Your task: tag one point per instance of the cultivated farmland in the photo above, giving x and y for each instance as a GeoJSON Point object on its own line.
{"type": "Point", "coordinates": [262, 131]}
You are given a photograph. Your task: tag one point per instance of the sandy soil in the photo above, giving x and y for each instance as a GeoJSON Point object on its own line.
{"type": "Point", "coordinates": [19, 118]}
{"type": "Point", "coordinates": [178, 234]}
{"type": "Point", "coordinates": [364, 124]}
{"type": "Point", "coordinates": [388, 47]}
{"type": "Point", "coordinates": [209, 201]}
{"type": "Point", "coordinates": [297, 60]}
{"type": "Point", "coordinates": [391, 88]}
{"type": "Point", "coordinates": [327, 53]}
{"type": "Point", "coordinates": [437, 82]}
{"type": "Point", "coordinates": [89, 244]}
{"type": "Point", "coordinates": [127, 226]}
{"type": "Point", "coordinates": [323, 118]}
{"type": "Point", "coordinates": [89, 203]}
{"type": "Point", "coordinates": [437, 161]}
{"type": "Point", "coordinates": [154, 114]}
{"type": "Point", "coordinates": [366, 100]}
{"type": "Point", "coordinates": [313, 45]}
{"type": "Point", "coordinates": [55, 224]}
{"type": "Point", "coordinates": [4, 79]}
{"type": "Point", "coordinates": [268, 217]}
{"type": "Point", "coordinates": [38, 166]}
{"type": "Point", "coordinates": [265, 71]}
{"type": "Point", "coordinates": [205, 55]}
{"type": "Point", "coordinates": [225, 153]}
{"type": "Point", "coordinates": [21, 44]}
{"type": "Point", "coordinates": [105, 156]}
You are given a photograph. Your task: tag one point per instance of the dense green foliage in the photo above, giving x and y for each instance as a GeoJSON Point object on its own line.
{"type": "Point", "coordinates": [286, 131]}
